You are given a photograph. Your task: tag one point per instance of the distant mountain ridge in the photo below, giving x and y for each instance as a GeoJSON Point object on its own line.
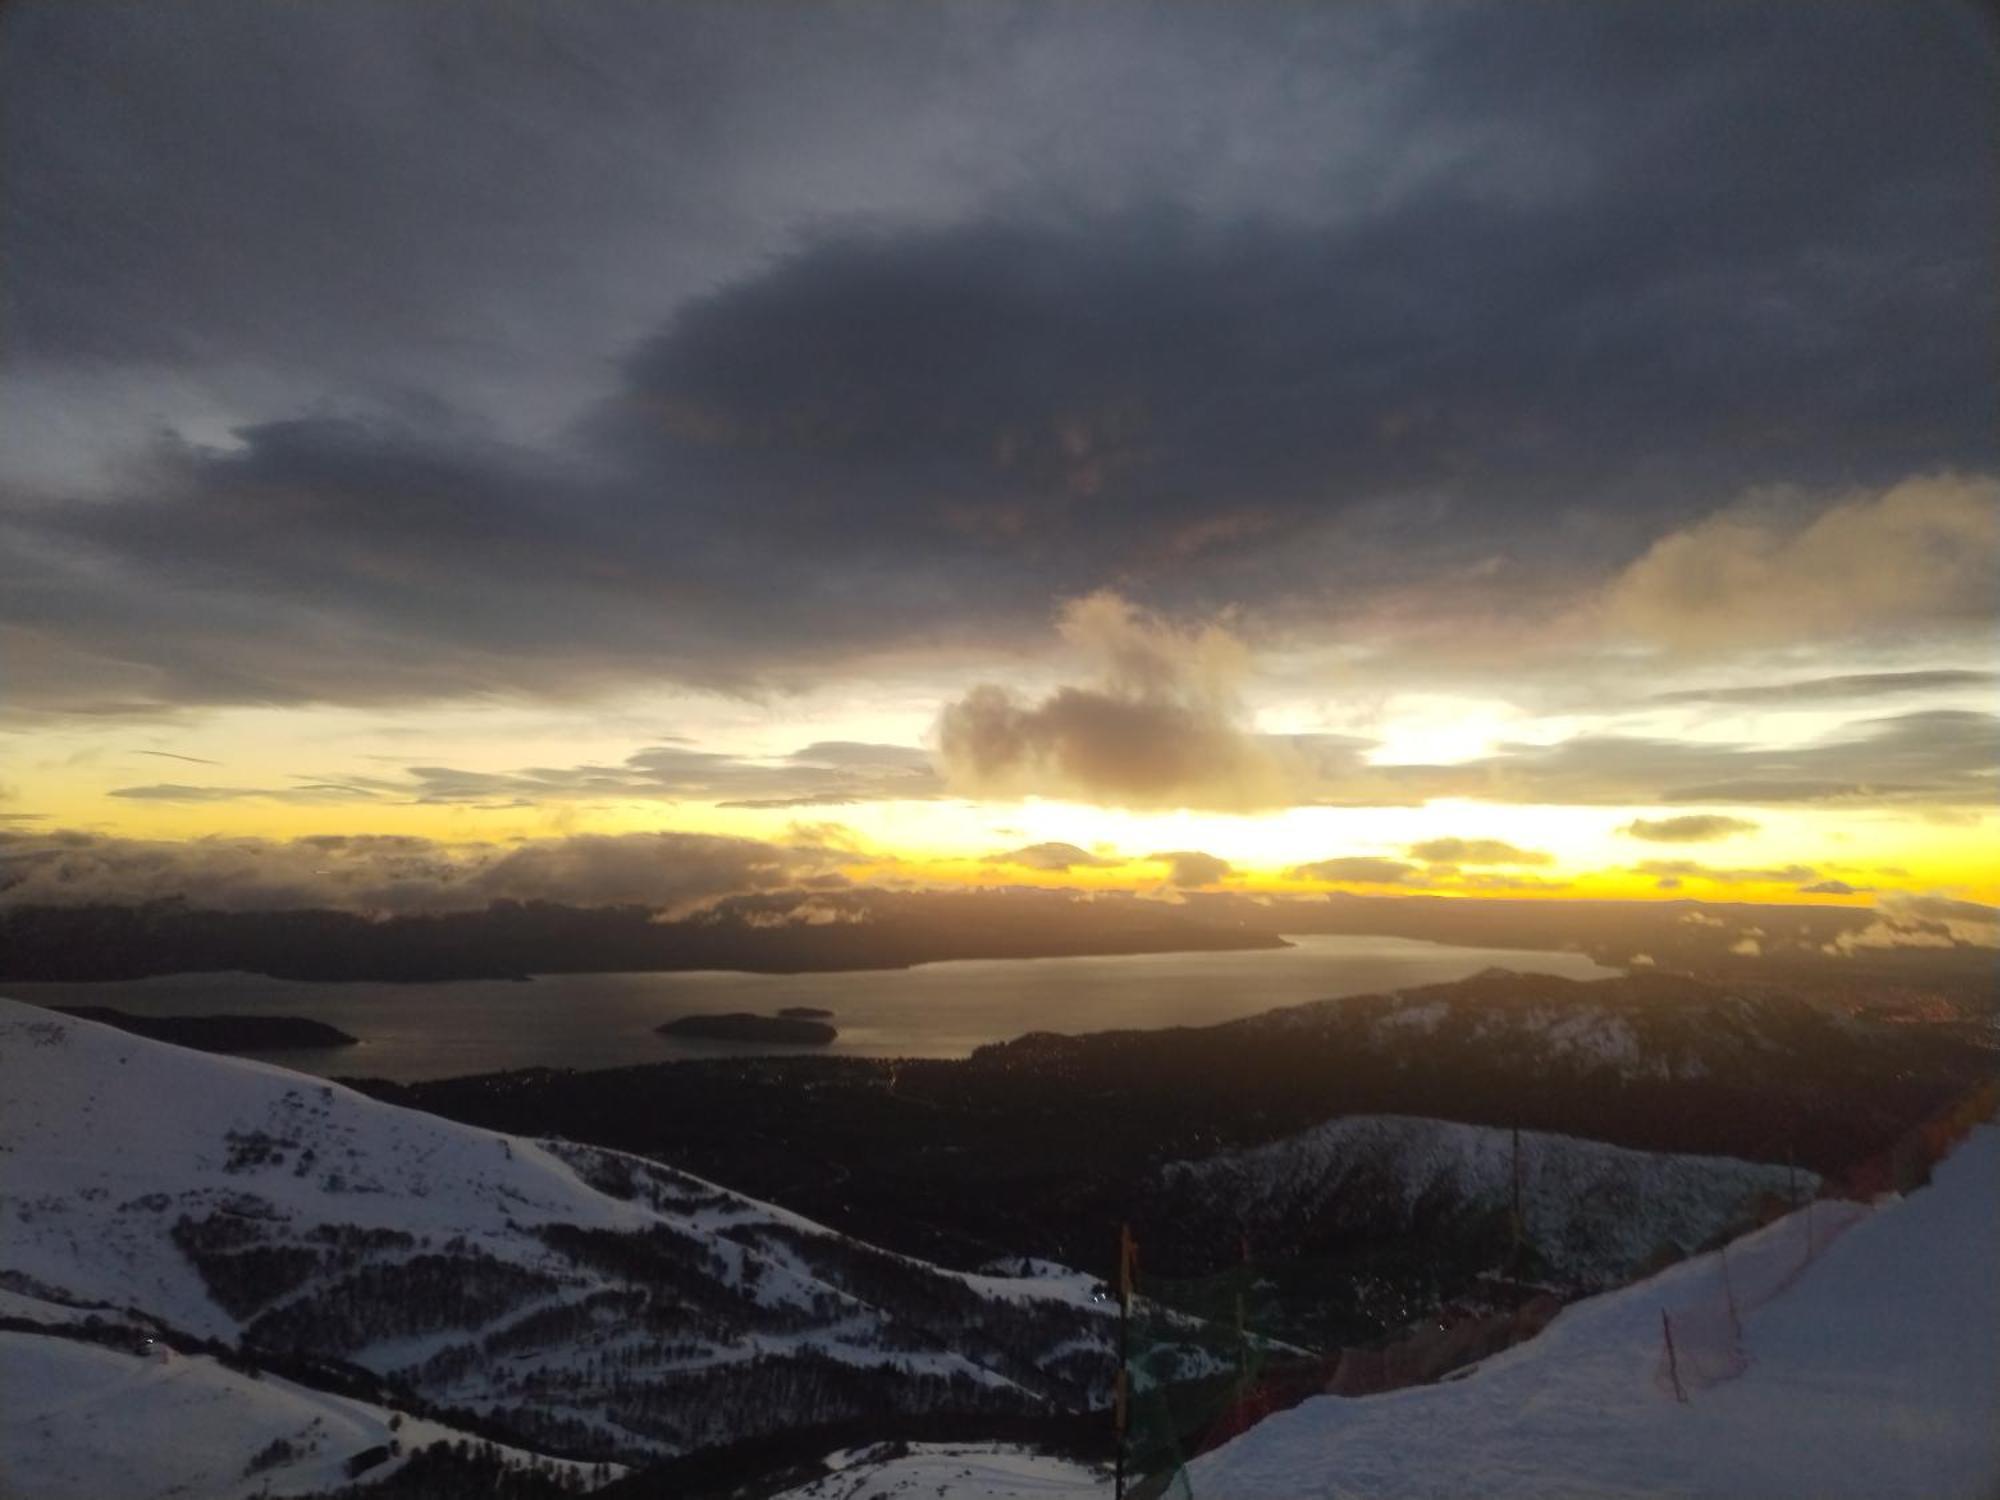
{"type": "Point", "coordinates": [222, 1033]}
{"type": "Point", "coordinates": [1037, 1146]}
{"type": "Point", "coordinates": [871, 929]}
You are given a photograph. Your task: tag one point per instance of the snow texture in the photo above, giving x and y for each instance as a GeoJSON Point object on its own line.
{"type": "Point", "coordinates": [1873, 1372]}
{"type": "Point", "coordinates": [959, 1470]}
{"type": "Point", "coordinates": [136, 1173]}
{"type": "Point", "coordinates": [1596, 1213]}
{"type": "Point", "coordinates": [82, 1422]}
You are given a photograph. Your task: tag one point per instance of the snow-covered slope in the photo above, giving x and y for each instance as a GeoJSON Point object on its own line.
{"type": "Point", "coordinates": [1594, 1213]}
{"type": "Point", "coordinates": [79, 1421]}
{"type": "Point", "coordinates": [585, 1300]}
{"type": "Point", "coordinates": [962, 1471]}
{"type": "Point", "coordinates": [1875, 1373]}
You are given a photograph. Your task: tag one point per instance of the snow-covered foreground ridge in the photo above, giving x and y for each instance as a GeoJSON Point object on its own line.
{"type": "Point", "coordinates": [1874, 1372]}
{"type": "Point", "coordinates": [80, 1421]}
{"type": "Point", "coordinates": [961, 1471]}
{"type": "Point", "coordinates": [579, 1300]}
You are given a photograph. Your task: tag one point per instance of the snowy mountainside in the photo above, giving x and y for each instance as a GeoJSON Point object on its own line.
{"type": "Point", "coordinates": [1033, 1147]}
{"type": "Point", "coordinates": [81, 1421]}
{"type": "Point", "coordinates": [582, 1300]}
{"type": "Point", "coordinates": [1656, 1062]}
{"type": "Point", "coordinates": [1595, 1214]}
{"type": "Point", "coordinates": [1874, 1374]}
{"type": "Point", "coordinates": [1639, 1027]}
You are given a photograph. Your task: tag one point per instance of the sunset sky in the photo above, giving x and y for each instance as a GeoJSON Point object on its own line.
{"type": "Point", "coordinates": [640, 452]}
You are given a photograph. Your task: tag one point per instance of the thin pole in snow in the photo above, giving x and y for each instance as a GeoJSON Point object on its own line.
{"type": "Point", "coordinates": [1121, 1395]}
{"type": "Point", "coordinates": [1673, 1364]}
{"type": "Point", "coordinates": [1518, 1227]}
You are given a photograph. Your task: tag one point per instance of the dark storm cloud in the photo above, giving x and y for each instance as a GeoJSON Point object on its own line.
{"type": "Point", "coordinates": [376, 187]}
{"type": "Point", "coordinates": [1108, 399]}
{"type": "Point", "coordinates": [1307, 306]}
{"type": "Point", "coordinates": [382, 873]}
{"type": "Point", "coordinates": [330, 559]}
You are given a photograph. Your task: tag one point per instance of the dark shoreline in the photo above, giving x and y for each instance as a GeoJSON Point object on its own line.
{"type": "Point", "coordinates": [106, 944]}
{"type": "Point", "coordinates": [251, 1033]}
{"type": "Point", "coordinates": [1261, 945]}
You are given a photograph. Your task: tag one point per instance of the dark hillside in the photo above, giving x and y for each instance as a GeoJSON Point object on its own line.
{"type": "Point", "coordinates": [1036, 1145]}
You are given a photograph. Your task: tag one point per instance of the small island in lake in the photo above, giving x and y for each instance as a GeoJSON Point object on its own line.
{"type": "Point", "coordinates": [220, 1033]}
{"type": "Point", "coordinates": [806, 1013]}
{"type": "Point", "coordinates": [742, 1026]}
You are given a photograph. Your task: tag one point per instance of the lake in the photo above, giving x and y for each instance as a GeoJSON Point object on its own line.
{"type": "Point", "coordinates": [411, 1032]}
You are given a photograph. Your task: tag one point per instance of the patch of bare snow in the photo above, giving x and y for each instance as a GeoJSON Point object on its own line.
{"type": "Point", "coordinates": [962, 1471]}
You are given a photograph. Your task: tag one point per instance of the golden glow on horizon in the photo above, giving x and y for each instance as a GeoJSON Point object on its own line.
{"type": "Point", "coordinates": [69, 775]}
{"type": "Point", "coordinates": [953, 843]}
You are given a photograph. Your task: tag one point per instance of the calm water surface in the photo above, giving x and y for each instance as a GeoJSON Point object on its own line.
{"type": "Point", "coordinates": [416, 1031]}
